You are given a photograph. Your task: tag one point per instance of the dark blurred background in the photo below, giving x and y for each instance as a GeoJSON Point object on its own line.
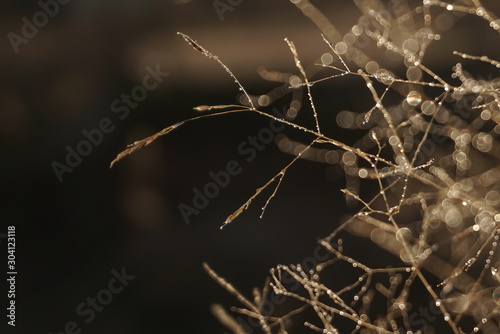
{"type": "Point", "coordinates": [72, 233]}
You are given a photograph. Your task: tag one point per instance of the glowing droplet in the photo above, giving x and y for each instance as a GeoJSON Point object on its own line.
{"type": "Point", "coordinates": [327, 59]}
{"type": "Point", "coordinates": [341, 48]}
{"type": "Point", "coordinates": [403, 234]}
{"type": "Point", "coordinates": [470, 262]}
{"type": "Point", "coordinates": [263, 100]}
{"type": "Point", "coordinates": [363, 173]}
{"type": "Point", "coordinates": [496, 295]}
{"type": "Point", "coordinates": [413, 98]}
{"type": "Point", "coordinates": [428, 108]}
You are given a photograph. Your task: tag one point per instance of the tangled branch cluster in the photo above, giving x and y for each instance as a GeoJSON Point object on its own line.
{"type": "Point", "coordinates": [430, 148]}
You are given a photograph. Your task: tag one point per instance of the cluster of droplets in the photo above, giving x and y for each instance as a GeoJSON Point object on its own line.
{"type": "Point", "coordinates": [462, 141]}
{"type": "Point", "coordinates": [433, 150]}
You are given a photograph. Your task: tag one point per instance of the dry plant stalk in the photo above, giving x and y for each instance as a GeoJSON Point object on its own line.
{"type": "Point", "coordinates": [432, 151]}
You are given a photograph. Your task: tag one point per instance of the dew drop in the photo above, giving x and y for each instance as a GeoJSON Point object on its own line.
{"type": "Point", "coordinates": [413, 98]}
{"type": "Point", "coordinates": [403, 234]}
